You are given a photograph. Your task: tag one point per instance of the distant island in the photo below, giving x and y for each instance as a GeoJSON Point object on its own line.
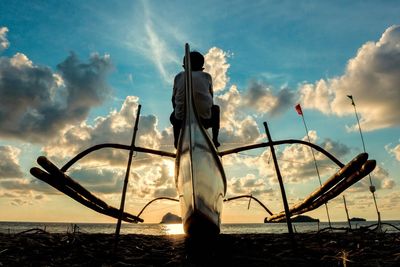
{"type": "Point", "coordinates": [171, 218]}
{"type": "Point", "coordinates": [300, 218]}
{"type": "Point", "coordinates": [355, 219]}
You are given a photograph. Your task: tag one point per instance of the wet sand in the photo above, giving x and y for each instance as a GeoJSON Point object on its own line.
{"type": "Point", "coordinates": [38, 248]}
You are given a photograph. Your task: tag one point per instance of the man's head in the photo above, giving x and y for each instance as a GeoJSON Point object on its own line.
{"type": "Point", "coordinates": [196, 60]}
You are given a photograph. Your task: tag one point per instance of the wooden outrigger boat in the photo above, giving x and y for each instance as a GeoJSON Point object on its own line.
{"type": "Point", "coordinates": [199, 175]}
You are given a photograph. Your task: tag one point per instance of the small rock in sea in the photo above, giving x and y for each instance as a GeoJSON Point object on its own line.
{"type": "Point", "coordinates": [171, 218]}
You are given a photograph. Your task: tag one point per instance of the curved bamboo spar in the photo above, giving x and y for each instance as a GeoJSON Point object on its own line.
{"type": "Point", "coordinates": [117, 146]}
{"type": "Point", "coordinates": [281, 142]}
{"type": "Point", "coordinates": [159, 198]}
{"type": "Point", "coordinates": [249, 196]}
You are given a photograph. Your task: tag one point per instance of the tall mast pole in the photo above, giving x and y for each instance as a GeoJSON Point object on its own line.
{"type": "Point", "coordinates": [372, 188]}
{"type": "Point", "coordinates": [300, 112]}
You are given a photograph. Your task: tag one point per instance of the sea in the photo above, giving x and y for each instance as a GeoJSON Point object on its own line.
{"type": "Point", "coordinates": [171, 229]}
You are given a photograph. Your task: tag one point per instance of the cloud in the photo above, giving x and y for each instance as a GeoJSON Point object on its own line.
{"type": "Point", "coordinates": [4, 43]}
{"type": "Point", "coordinates": [103, 171]}
{"type": "Point", "coordinates": [9, 162]}
{"type": "Point", "coordinates": [380, 179]}
{"type": "Point", "coordinates": [260, 97]}
{"type": "Point", "coordinates": [36, 103]}
{"type": "Point", "coordinates": [155, 180]}
{"type": "Point", "coordinates": [248, 184]}
{"type": "Point", "coordinates": [216, 64]}
{"type": "Point", "coordinates": [236, 125]}
{"type": "Point", "coordinates": [116, 127]}
{"type": "Point", "coordinates": [13, 184]}
{"type": "Point", "coordinates": [296, 161]}
{"type": "Point", "coordinates": [372, 77]}
{"type": "Point", "coordinates": [395, 151]}
{"type": "Point", "coordinates": [156, 40]}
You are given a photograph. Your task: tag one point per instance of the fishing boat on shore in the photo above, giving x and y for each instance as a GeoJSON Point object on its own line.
{"type": "Point", "coordinates": [199, 175]}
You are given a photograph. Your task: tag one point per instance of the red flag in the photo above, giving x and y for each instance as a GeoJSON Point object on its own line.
{"type": "Point", "coordinates": [298, 109]}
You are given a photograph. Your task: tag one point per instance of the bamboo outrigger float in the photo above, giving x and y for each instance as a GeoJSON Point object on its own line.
{"type": "Point", "coordinates": [199, 175]}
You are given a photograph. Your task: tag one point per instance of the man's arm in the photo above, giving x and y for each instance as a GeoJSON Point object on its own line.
{"type": "Point", "coordinates": [174, 93]}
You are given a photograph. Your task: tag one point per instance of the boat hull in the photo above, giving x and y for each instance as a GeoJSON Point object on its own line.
{"type": "Point", "coordinates": [201, 183]}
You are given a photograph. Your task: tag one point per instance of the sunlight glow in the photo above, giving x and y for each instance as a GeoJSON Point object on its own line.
{"type": "Point", "coordinates": [173, 229]}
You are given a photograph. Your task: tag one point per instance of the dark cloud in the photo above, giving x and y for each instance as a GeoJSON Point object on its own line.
{"type": "Point", "coordinates": [261, 97]}
{"type": "Point", "coordinates": [285, 99]}
{"type": "Point", "coordinates": [9, 166]}
{"type": "Point", "coordinates": [339, 150]}
{"type": "Point", "coordinates": [35, 103]}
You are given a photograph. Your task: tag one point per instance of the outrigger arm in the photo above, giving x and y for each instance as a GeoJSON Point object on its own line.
{"type": "Point", "coordinates": [347, 175]}
{"type": "Point", "coordinates": [57, 178]}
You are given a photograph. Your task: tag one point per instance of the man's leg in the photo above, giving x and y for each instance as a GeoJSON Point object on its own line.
{"type": "Point", "coordinates": [177, 125]}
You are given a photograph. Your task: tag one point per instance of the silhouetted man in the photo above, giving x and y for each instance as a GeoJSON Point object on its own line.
{"type": "Point", "coordinates": [203, 97]}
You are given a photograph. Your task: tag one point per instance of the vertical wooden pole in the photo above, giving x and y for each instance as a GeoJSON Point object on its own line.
{"type": "Point", "coordinates": [278, 173]}
{"type": "Point", "coordinates": [347, 212]}
{"type": "Point", "coordinates": [128, 170]}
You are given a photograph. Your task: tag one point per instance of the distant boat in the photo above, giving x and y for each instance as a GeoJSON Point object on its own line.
{"type": "Point", "coordinates": [299, 218]}
{"type": "Point", "coordinates": [199, 174]}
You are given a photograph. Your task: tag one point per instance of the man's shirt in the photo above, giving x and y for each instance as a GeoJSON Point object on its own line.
{"type": "Point", "coordinates": [202, 93]}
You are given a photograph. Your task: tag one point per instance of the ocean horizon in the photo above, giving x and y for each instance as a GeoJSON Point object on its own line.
{"type": "Point", "coordinates": [7, 227]}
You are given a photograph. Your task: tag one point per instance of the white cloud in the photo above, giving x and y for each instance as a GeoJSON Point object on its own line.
{"type": "Point", "coordinates": [236, 125]}
{"type": "Point", "coordinates": [116, 127]}
{"type": "Point", "coordinates": [216, 64]}
{"type": "Point", "coordinates": [4, 43]}
{"type": "Point", "coordinates": [372, 77]}
{"type": "Point", "coordinates": [395, 151]}
{"type": "Point", "coordinates": [248, 184]}
{"type": "Point", "coordinates": [156, 40]}
{"type": "Point", "coordinates": [103, 170]}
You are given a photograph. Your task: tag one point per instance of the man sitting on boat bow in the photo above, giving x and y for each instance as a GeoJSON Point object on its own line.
{"type": "Point", "coordinates": [203, 97]}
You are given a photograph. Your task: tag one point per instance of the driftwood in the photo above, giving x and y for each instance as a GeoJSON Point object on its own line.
{"type": "Point", "coordinates": [65, 184]}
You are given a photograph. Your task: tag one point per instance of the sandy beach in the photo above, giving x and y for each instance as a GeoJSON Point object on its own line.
{"type": "Point", "coordinates": [39, 248]}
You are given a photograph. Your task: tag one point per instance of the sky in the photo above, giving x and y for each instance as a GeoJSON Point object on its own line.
{"type": "Point", "coordinates": [72, 74]}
